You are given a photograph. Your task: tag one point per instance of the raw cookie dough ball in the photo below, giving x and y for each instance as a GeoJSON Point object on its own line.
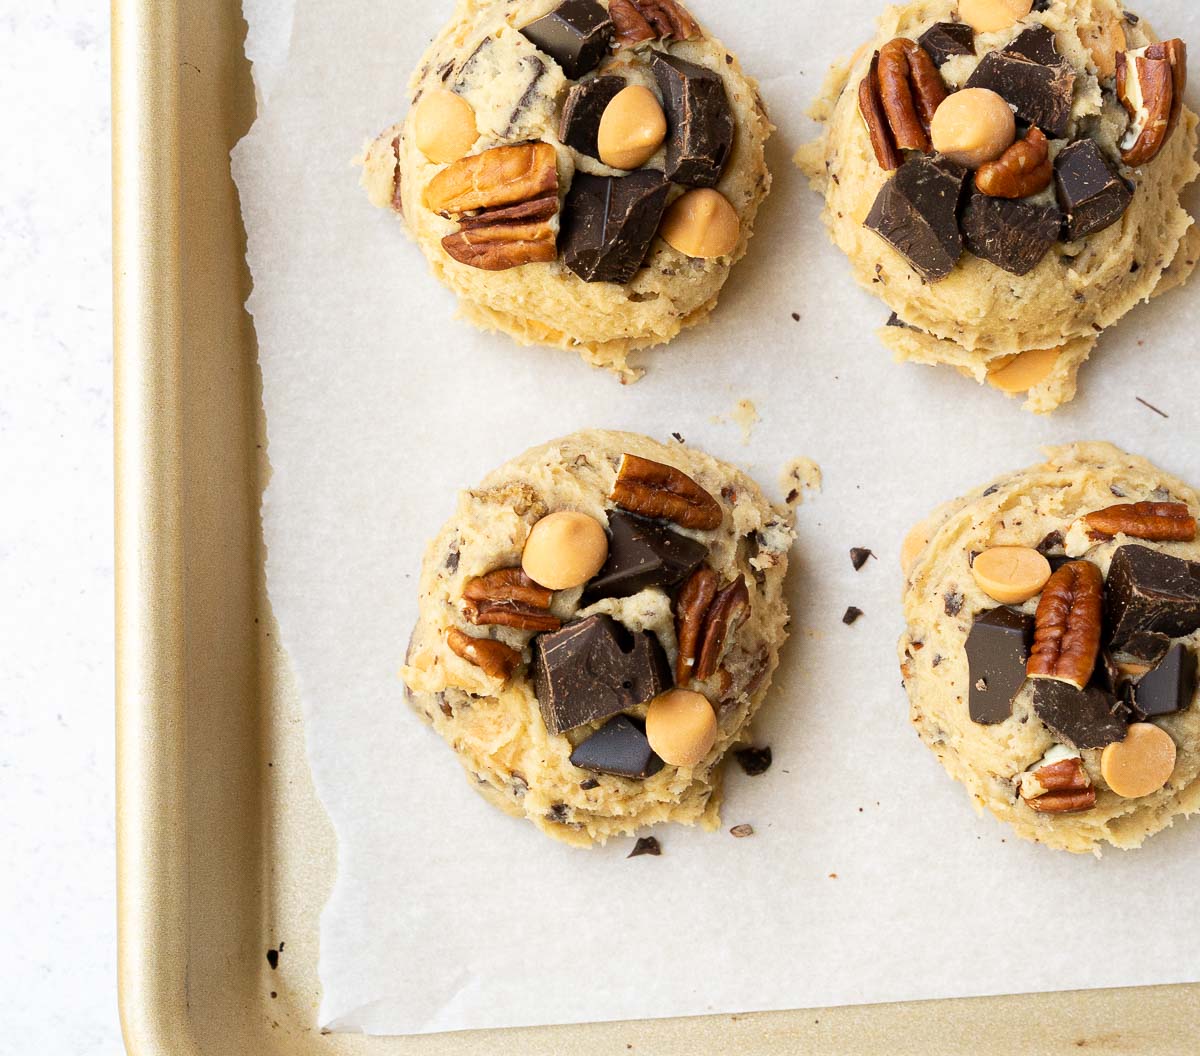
{"type": "Point", "coordinates": [993, 688]}
{"type": "Point", "coordinates": [1073, 231]}
{"type": "Point", "coordinates": [561, 246]}
{"type": "Point", "coordinates": [599, 708]}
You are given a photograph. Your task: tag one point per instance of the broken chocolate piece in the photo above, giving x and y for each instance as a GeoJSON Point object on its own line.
{"type": "Point", "coordinates": [944, 40]}
{"type": "Point", "coordinates": [1169, 687]}
{"type": "Point", "coordinates": [1088, 718]}
{"type": "Point", "coordinates": [643, 554]}
{"type": "Point", "coordinates": [916, 213]}
{"type": "Point", "coordinates": [645, 845]}
{"type": "Point", "coordinates": [581, 113]}
{"type": "Point", "coordinates": [594, 669]}
{"type": "Point", "coordinates": [609, 222]}
{"type": "Point", "coordinates": [1031, 76]}
{"type": "Point", "coordinates": [619, 748]}
{"type": "Point", "coordinates": [859, 556]}
{"type": "Point", "coordinates": [851, 615]}
{"type": "Point", "coordinates": [1145, 647]}
{"type": "Point", "coordinates": [1012, 234]}
{"type": "Point", "coordinates": [700, 122]}
{"type": "Point", "coordinates": [997, 651]}
{"type": "Point", "coordinates": [1091, 192]}
{"type": "Point", "coordinates": [1148, 590]}
{"type": "Point", "coordinates": [576, 35]}
{"type": "Point", "coordinates": [754, 761]}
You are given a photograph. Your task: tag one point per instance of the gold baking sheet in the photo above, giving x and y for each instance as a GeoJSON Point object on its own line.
{"type": "Point", "coordinates": [224, 852]}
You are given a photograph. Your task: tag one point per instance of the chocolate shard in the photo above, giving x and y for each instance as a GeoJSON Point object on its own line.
{"type": "Point", "coordinates": [609, 222]}
{"type": "Point", "coordinates": [593, 669]}
{"type": "Point", "coordinates": [1090, 190]}
{"type": "Point", "coordinates": [1031, 76]}
{"type": "Point", "coordinates": [1169, 687]}
{"type": "Point", "coordinates": [997, 651]}
{"type": "Point", "coordinates": [641, 554]}
{"type": "Point", "coordinates": [916, 213]}
{"type": "Point", "coordinates": [1145, 647]}
{"type": "Point", "coordinates": [579, 124]}
{"type": "Point", "coordinates": [576, 35]}
{"type": "Point", "coordinates": [1148, 590]}
{"type": "Point", "coordinates": [1088, 718]}
{"type": "Point", "coordinates": [944, 40]}
{"type": "Point", "coordinates": [619, 747]}
{"type": "Point", "coordinates": [1012, 234]}
{"type": "Point", "coordinates": [700, 123]}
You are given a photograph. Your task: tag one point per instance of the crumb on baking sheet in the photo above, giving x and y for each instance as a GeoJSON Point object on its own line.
{"type": "Point", "coordinates": [798, 476]}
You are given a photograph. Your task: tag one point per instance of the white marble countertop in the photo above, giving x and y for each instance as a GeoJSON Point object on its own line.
{"type": "Point", "coordinates": [57, 926]}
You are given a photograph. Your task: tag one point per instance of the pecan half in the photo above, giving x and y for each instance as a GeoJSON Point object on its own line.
{"type": "Point", "coordinates": [1159, 522]}
{"type": "Point", "coordinates": [509, 598]}
{"type": "Point", "coordinates": [498, 247]}
{"type": "Point", "coordinates": [729, 610]}
{"type": "Point", "coordinates": [1024, 169]}
{"type": "Point", "coordinates": [500, 176]}
{"type": "Point", "coordinates": [1150, 84]}
{"type": "Point", "coordinates": [695, 598]}
{"type": "Point", "coordinates": [1061, 787]}
{"type": "Point", "coordinates": [492, 657]}
{"type": "Point", "coordinates": [912, 89]}
{"type": "Point", "coordinates": [657, 490]}
{"type": "Point", "coordinates": [1066, 635]}
{"type": "Point", "coordinates": [639, 20]}
{"type": "Point", "coordinates": [870, 106]}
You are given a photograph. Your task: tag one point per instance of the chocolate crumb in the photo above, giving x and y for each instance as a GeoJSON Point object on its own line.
{"type": "Point", "coordinates": [452, 560]}
{"type": "Point", "coordinates": [795, 317]}
{"type": "Point", "coordinates": [645, 845]}
{"type": "Point", "coordinates": [589, 784]}
{"type": "Point", "coordinates": [859, 556]}
{"type": "Point", "coordinates": [1053, 541]}
{"type": "Point", "coordinates": [1131, 18]}
{"type": "Point", "coordinates": [1161, 414]}
{"type": "Point", "coordinates": [851, 614]}
{"type": "Point", "coordinates": [953, 603]}
{"type": "Point", "coordinates": [273, 957]}
{"type": "Point", "coordinates": [679, 438]}
{"type": "Point", "coordinates": [754, 761]}
{"type": "Point", "coordinates": [741, 831]}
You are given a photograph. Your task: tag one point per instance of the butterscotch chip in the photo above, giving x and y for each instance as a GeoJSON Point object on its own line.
{"type": "Point", "coordinates": [632, 128]}
{"type": "Point", "coordinates": [443, 126]}
{"type": "Point", "coordinates": [701, 223]}
{"type": "Point", "coordinates": [681, 727]}
{"type": "Point", "coordinates": [988, 16]}
{"type": "Point", "coordinates": [916, 541]}
{"type": "Point", "coordinates": [564, 550]}
{"type": "Point", "coordinates": [1140, 764]}
{"type": "Point", "coordinates": [1011, 574]}
{"type": "Point", "coordinates": [1024, 370]}
{"type": "Point", "coordinates": [973, 126]}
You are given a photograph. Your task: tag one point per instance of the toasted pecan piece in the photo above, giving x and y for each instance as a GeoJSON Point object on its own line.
{"type": "Point", "coordinates": [729, 610]}
{"type": "Point", "coordinates": [639, 20]}
{"type": "Point", "coordinates": [497, 177]}
{"type": "Point", "coordinates": [492, 657]}
{"type": "Point", "coordinates": [691, 607]}
{"type": "Point", "coordinates": [509, 598]}
{"type": "Point", "coordinates": [653, 489]}
{"type": "Point", "coordinates": [498, 247]}
{"type": "Point", "coordinates": [1066, 636]}
{"type": "Point", "coordinates": [912, 89]}
{"type": "Point", "coordinates": [1150, 84]}
{"type": "Point", "coordinates": [870, 106]}
{"type": "Point", "coordinates": [1158, 522]}
{"type": "Point", "coordinates": [1023, 169]}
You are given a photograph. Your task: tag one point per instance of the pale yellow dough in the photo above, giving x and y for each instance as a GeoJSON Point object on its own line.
{"type": "Point", "coordinates": [981, 313]}
{"type": "Point", "coordinates": [1022, 509]}
{"type": "Point", "coordinates": [496, 727]}
{"type": "Point", "coordinates": [545, 303]}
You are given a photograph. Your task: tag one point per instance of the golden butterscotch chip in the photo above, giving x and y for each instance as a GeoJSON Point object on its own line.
{"type": "Point", "coordinates": [1011, 574]}
{"type": "Point", "coordinates": [1022, 372]}
{"type": "Point", "coordinates": [681, 727]}
{"type": "Point", "coordinates": [973, 126]}
{"type": "Point", "coordinates": [1140, 764]}
{"type": "Point", "coordinates": [989, 16]}
{"type": "Point", "coordinates": [443, 126]}
{"type": "Point", "coordinates": [916, 541]}
{"type": "Point", "coordinates": [701, 223]}
{"type": "Point", "coordinates": [632, 128]}
{"type": "Point", "coordinates": [564, 550]}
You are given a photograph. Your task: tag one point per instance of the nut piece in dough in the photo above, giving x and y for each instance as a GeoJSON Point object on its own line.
{"type": "Point", "coordinates": [988, 16]}
{"type": "Point", "coordinates": [632, 127]}
{"type": "Point", "coordinates": [701, 223]}
{"type": "Point", "coordinates": [564, 550]}
{"type": "Point", "coordinates": [1140, 764]}
{"type": "Point", "coordinates": [443, 125]}
{"type": "Point", "coordinates": [973, 126]}
{"type": "Point", "coordinates": [1011, 574]}
{"type": "Point", "coordinates": [681, 727]}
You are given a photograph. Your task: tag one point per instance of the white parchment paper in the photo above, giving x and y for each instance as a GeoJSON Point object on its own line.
{"type": "Point", "coordinates": [869, 877]}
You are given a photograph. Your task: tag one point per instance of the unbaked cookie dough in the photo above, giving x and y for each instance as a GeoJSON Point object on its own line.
{"type": "Point", "coordinates": [1059, 212]}
{"type": "Point", "coordinates": [582, 174]}
{"type": "Point", "coordinates": [1050, 656]}
{"type": "Point", "coordinates": [598, 623]}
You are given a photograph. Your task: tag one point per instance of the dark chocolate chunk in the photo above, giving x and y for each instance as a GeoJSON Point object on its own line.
{"type": "Point", "coordinates": [944, 40]}
{"type": "Point", "coordinates": [589, 784]}
{"type": "Point", "coordinates": [952, 603]}
{"type": "Point", "coordinates": [645, 845]}
{"type": "Point", "coordinates": [1148, 590]}
{"type": "Point", "coordinates": [1169, 687]}
{"type": "Point", "coordinates": [619, 747]}
{"type": "Point", "coordinates": [754, 761]}
{"type": "Point", "coordinates": [1012, 234]}
{"type": "Point", "coordinates": [608, 223]}
{"type": "Point", "coordinates": [700, 122]}
{"type": "Point", "coordinates": [641, 554]}
{"type": "Point", "coordinates": [895, 320]}
{"type": "Point", "coordinates": [997, 650]}
{"type": "Point", "coordinates": [851, 615]}
{"type": "Point", "coordinates": [593, 669]}
{"type": "Point", "coordinates": [859, 556]}
{"type": "Point", "coordinates": [1145, 647]}
{"type": "Point", "coordinates": [1052, 543]}
{"type": "Point", "coordinates": [916, 213]}
{"type": "Point", "coordinates": [576, 35]}
{"type": "Point", "coordinates": [1089, 718]}
{"type": "Point", "coordinates": [581, 113]}
{"type": "Point", "coordinates": [1091, 192]}
{"type": "Point", "coordinates": [1032, 78]}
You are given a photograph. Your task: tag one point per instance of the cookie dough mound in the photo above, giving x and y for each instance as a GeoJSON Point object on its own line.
{"type": "Point", "coordinates": [977, 616]}
{"type": "Point", "coordinates": [981, 315]}
{"type": "Point", "coordinates": [506, 73]}
{"type": "Point", "coordinates": [545, 694]}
